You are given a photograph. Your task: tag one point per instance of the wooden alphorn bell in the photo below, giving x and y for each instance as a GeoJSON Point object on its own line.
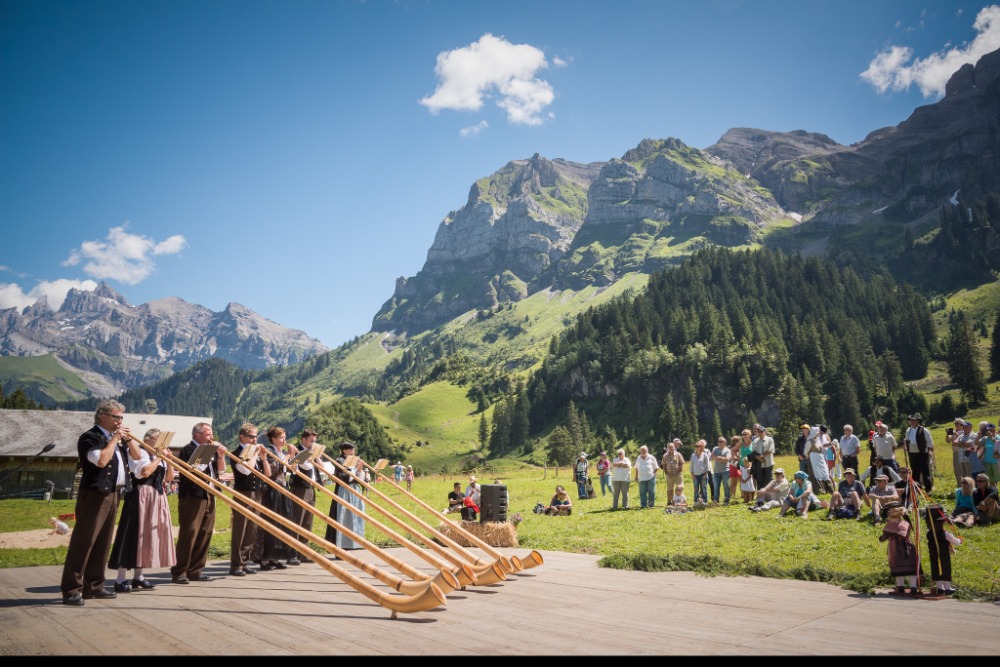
{"type": "Point", "coordinates": [454, 576]}
{"type": "Point", "coordinates": [477, 574]}
{"type": "Point", "coordinates": [429, 598]}
{"type": "Point", "coordinates": [479, 566]}
{"type": "Point", "coordinates": [445, 580]}
{"type": "Point", "coordinates": [534, 559]}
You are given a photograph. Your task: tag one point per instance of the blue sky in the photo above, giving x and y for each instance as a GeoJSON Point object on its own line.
{"type": "Point", "coordinates": [298, 156]}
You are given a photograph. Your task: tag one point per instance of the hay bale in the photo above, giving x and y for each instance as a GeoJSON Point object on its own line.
{"type": "Point", "coordinates": [494, 533]}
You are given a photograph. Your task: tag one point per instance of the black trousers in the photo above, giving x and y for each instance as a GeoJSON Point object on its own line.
{"type": "Point", "coordinates": [920, 469]}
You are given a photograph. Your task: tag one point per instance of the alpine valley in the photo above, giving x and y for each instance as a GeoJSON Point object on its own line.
{"type": "Point", "coordinates": [673, 290]}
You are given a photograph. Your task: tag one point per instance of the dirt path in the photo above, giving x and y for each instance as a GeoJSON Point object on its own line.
{"type": "Point", "coordinates": [32, 539]}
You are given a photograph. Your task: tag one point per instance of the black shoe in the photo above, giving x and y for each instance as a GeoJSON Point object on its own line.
{"type": "Point", "coordinates": [237, 573]}
{"type": "Point", "coordinates": [278, 565]}
{"type": "Point", "coordinates": [267, 566]}
{"type": "Point", "coordinates": [100, 595]}
{"type": "Point", "coordinates": [123, 587]}
{"type": "Point", "coordinates": [76, 600]}
{"type": "Point", "coordinates": [293, 561]}
{"type": "Point", "coordinates": [138, 584]}
{"type": "Point", "coordinates": [247, 570]}
{"type": "Point", "coordinates": [181, 580]}
{"type": "Point", "coordinates": [200, 577]}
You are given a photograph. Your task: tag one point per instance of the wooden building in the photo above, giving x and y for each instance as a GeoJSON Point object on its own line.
{"type": "Point", "coordinates": [27, 471]}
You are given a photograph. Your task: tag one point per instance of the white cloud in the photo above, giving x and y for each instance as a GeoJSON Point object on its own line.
{"type": "Point", "coordinates": [559, 62]}
{"type": "Point", "coordinates": [54, 291]}
{"type": "Point", "coordinates": [892, 69]}
{"type": "Point", "coordinates": [124, 257]}
{"type": "Point", "coordinates": [473, 130]}
{"type": "Point", "coordinates": [492, 67]}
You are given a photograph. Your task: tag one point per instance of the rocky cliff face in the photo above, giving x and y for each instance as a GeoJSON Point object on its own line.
{"type": "Point", "coordinates": [550, 224]}
{"type": "Point", "coordinates": [114, 345]}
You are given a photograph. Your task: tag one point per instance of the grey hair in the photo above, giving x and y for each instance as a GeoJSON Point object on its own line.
{"type": "Point", "coordinates": [152, 434]}
{"type": "Point", "coordinates": [199, 428]}
{"type": "Point", "coordinates": [106, 407]}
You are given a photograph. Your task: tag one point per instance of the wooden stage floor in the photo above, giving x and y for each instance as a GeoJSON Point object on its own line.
{"type": "Point", "coordinates": [567, 606]}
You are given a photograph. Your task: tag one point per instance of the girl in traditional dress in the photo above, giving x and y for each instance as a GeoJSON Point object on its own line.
{"type": "Point", "coordinates": [349, 491]}
{"type": "Point", "coordinates": [940, 544]}
{"type": "Point", "coordinates": [144, 537]}
{"type": "Point", "coordinates": [902, 554]}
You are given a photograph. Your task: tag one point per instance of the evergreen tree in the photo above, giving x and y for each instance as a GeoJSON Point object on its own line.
{"type": "Point", "coordinates": [573, 427]}
{"type": "Point", "coordinates": [789, 410]}
{"type": "Point", "coordinates": [963, 361]}
{"type": "Point", "coordinates": [519, 423]}
{"type": "Point", "coordinates": [995, 349]}
{"type": "Point", "coordinates": [560, 447]}
{"type": "Point", "coordinates": [716, 425]}
{"type": "Point", "coordinates": [484, 432]}
{"type": "Point", "coordinates": [668, 417]}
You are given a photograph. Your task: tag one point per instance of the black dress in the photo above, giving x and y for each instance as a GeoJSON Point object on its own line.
{"type": "Point", "coordinates": [267, 547]}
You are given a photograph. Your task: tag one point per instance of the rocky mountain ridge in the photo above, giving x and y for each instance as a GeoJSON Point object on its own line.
{"type": "Point", "coordinates": [542, 224]}
{"type": "Point", "coordinates": [113, 345]}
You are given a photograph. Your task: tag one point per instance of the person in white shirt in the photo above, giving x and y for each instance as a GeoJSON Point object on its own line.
{"type": "Point", "coordinates": [621, 477]}
{"type": "Point", "coordinates": [763, 455]}
{"type": "Point", "coordinates": [885, 445]}
{"type": "Point", "coordinates": [645, 474]}
{"type": "Point", "coordinates": [850, 447]}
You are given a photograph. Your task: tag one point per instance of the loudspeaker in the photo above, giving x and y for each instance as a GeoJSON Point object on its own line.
{"type": "Point", "coordinates": [492, 503]}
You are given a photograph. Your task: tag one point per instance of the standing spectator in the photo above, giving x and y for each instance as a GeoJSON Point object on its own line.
{"type": "Point", "coordinates": [645, 474]}
{"type": "Point", "coordinates": [248, 485]}
{"type": "Point", "coordinates": [984, 497]}
{"type": "Point", "coordinates": [196, 510]}
{"type": "Point", "coordinates": [604, 472]}
{"type": "Point", "coordinates": [885, 445]}
{"type": "Point", "coordinates": [673, 467]}
{"type": "Point", "coordinates": [408, 476]}
{"type": "Point", "coordinates": [301, 487]}
{"type": "Point", "coordinates": [962, 442]}
{"type": "Point", "coordinates": [734, 466]}
{"type": "Point", "coordinates": [145, 533]}
{"type": "Point", "coordinates": [581, 476]}
{"type": "Point", "coordinates": [901, 552]}
{"type": "Point", "coordinates": [800, 448]}
{"type": "Point", "coordinates": [743, 443]}
{"type": "Point", "coordinates": [103, 458]}
{"type": "Point", "coordinates": [701, 472]}
{"type": "Point", "coordinates": [348, 490]}
{"type": "Point", "coordinates": [720, 470]}
{"type": "Point", "coordinates": [773, 495]}
{"type": "Point", "coordinates": [397, 471]}
{"type": "Point", "coordinates": [748, 487]}
{"type": "Point", "coordinates": [621, 476]}
{"type": "Point", "coordinates": [850, 447]}
{"type": "Point", "coordinates": [762, 449]}
{"type": "Point", "coordinates": [267, 549]}
{"type": "Point", "coordinates": [831, 453]}
{"type": "Point", "coordinates": [990, 447]}
{"type": "Point", "coordinates": [919, 449]}
{"type": "Point", "coordinates": [817, 460]}
{"type": "Point", "coordinates": [975, 453]}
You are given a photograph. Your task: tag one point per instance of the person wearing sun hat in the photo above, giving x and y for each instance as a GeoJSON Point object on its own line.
{"type": "Point", "coordinates": [800, 496]}
{"type": "Point", "coordinates": [582, 465]}
{"type": "Point", "coordinates": [773, 494]}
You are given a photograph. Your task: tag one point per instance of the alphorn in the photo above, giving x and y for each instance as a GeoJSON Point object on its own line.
{"type": "Point", "coordinates": [463, 574]}
{"type": "Point", "coordinates": [503, 562]}
{"type": "Point", "coordinates": [534, 559]}
{"type": "Point", "coordinates": [445, 580]}
{"type": "Point", "coordinates": [480, 575]}
{"type": "Point", "coordinates": [429, 598]}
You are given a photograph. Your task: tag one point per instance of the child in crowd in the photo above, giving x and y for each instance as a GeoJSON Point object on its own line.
{"type": "Point", "coordinates": [58, 527]}
{"type": "Point", "coordinates": [679, 499]}
{"type": "Point", "coordinates": [902, 554]}
{"type": "Point", "coordinates": [940, 545]}
{"type": "Point", "coordinates": [748, 487]}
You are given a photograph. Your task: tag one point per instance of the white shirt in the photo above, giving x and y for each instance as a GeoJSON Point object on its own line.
{"type": "Point", "coordinates": [850, 445]}
{"type": "Point", "coordinates": [764, 446]}
{"type": "Point", "coordinates": [619, 473]}
{"type": "Point", "coordinates": [885, 445]}
{"type": "Point", "coordinates": [646, 467]}
{"type": "Point", "coordinates": [911, 435]}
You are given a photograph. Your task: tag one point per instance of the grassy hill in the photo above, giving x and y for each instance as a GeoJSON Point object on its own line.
{"type": "Point", "coordinates": [42, 378]}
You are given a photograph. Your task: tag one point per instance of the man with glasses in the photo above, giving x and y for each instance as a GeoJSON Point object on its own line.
{"type": "Point", "coordinates": [103, 452]}
{"type": "Point", "coordinates": [251, 486]}
{"type": "Point", "coordinates": [196, 510]}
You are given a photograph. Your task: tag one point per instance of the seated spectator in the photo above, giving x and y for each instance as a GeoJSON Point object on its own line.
{"type": "Point", "coordinates": [801, 497]}
{"type": "Point", "coordinates": [773, 494]}
{"type": "Point", "coordinates": [984, 497]}
{"type": "Point", "coordinates": [965, 511]}
{"type": "Point", "coordinates": [881, 495]}
{"type": "Point", "coordinates": [905, 489]}
{"type": "Point", "coordinates": [679, 499]}
{"type": "Point", "coordinates": [877, 468]}
{"type": "Point", "coordinates": [846, 501]}
{"type": "Point", "coordinates": [560, 503]}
